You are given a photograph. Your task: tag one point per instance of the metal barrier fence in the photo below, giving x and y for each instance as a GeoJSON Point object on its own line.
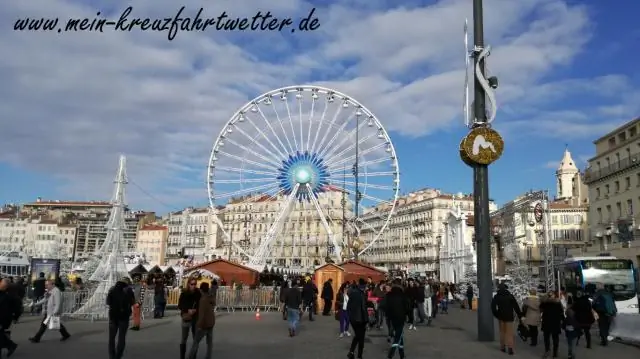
{"type": "Point", "coordinates": [228, 299]}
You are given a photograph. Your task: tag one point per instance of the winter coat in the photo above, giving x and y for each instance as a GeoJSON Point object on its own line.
{"type": "Point", "coordinates": [357, 306]}
{"type": "Point", "coordinates": [552, 315]}
{"type": "Point", "coordinates": [504, 305]}
{"type": "Point", "coordinates": [206, 315]}
{"type": "Point", "coordinates": [583, 311]}
{"type": "Point", "coordinates": [327, 291]}
{"type": "Point", "coordinates": [531, 309]}
{"type": "Point", "coordinates": [397, 306]}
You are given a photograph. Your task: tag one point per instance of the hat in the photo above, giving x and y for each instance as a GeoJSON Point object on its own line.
{"type": "Point", "coordinates": [125, 280]}
{"type": "Point", "coordinates": [502, 286]}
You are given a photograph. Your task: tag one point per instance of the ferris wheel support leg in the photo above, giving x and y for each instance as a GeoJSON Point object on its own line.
{"type": "Point", "coordinates": [261, 252]}
{"type": "Point", "coordinates": [323, 219]}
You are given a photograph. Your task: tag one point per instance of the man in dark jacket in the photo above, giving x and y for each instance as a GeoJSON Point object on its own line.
{"type": "Point", "coordinates": [327, 297]}
{"type": "Point", "coordinates": [503, 306]}
{"type": "Point", "coordinates": [188, 304]}
{"type": "Point", "coordinates": [38, 291]}
{"type": "Point", "coordinates": [470, 296]}
{"type": "Point", "coordinates": [309, 295]}
{"type": "Point", "coordinates": [120, 301]}
{"type": "Point", "coordinates": [9, 311]}
{"type": "Point", "coordinates": [397, 308]}
{"type": "Point", "coordinates": [358, 317]}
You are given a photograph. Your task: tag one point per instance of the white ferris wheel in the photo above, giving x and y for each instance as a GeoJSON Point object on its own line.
{"type": "Point", "coordinates": [294, 145]}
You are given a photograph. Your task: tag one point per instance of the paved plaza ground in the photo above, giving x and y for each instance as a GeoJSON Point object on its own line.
{"type": "Point", "coordinates": [240, 335]}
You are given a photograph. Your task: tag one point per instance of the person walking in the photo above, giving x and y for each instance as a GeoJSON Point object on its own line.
{"type": "Point", "coordinates": [469, 296]}
{"type": "Point", "coordinates": [120, 300]}
{"type": "Point", "coordinates": [605, 307]}
{"type": "Point", "coordinates": [552, 318]}
{"type": "Point", "coordinates": [358, 317]}
{"type": "Point", "coordinates": [293, 302]}
{"type": "Point", "coordinates": [188, 306]}
{"type": "Point", "coordinates": [205, 322]}
{"type": "Point", "coordinates": [503, 306]}
{"type": "Point", "coordinates": [10, 306]}
{"type": "Point", "coordinates": [584, 315]}
{"type": "Point", "coordinates": [283, 292]}
{"type": "Point", "coordinates": [53, 309]}
{"type": "Point", "coordinates": [342, 300]}
{"type": "Point", "coordinates": [397, 307]}
{"type": "Point", "coordinates": [531, 312]}
{"type": "Point", "coordinates": [309, 295]}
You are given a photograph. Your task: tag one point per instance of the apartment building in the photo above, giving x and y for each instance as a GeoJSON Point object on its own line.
{"type": "Point", "coordinates": [192, 232]}
{"type": "Point", "coordinates": [151, 241]}
{"type": "Point", "coordinates": [613, 178]}
{"type": "Point", "coordinates": [416, 231]}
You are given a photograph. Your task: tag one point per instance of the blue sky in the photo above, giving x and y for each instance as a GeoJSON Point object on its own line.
{"type": "Point", "coordinates": [72, 102]}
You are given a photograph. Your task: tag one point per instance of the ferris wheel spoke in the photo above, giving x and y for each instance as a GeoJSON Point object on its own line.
{"type": "Point", "coordinates": [293, 131]}
{"type": "Point", "coordinates": [246, 191]}
{"type": "Point", "coordinates": [311, 113]}
{"type": "Point", "coordinates": [369, 185]}
{"type": "Point", "coordinates": [248, 150]}
{"type": "Point", "coordinates": [330, 126]}
{"type": "Point", "coordinates": [335, 170]}
{"type": "Point", "coordinates": [264, 136]}
{"type": "Point", "coordinates": [332, 160]}
{"type": "Point", "coordinates": [244, 180]}
{"type": "Point", "coordinates": [339, 131]}
{"type": "Point", "coordinates": [323, 220]}
{"type": "Point", "coordinates": [353, 157]}
{"type": "Point", "coordinates": [238, 158]}
{"type": "Point", "coordinates": [274, 229]}
{"type": "Point", "coordinates": [273, 131]}
{"type": "Point", "coordinates": [280, 122]}
{"type": "Point", "coordinates": [350, 134]}
{"type": "Point", "coordinates": [238, 170]}
{"type": "Point", "coordinates": [318, 130]}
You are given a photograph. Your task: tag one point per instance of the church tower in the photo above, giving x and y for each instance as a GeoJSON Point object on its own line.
{"type": "Point", "coordinates": [566, 177]}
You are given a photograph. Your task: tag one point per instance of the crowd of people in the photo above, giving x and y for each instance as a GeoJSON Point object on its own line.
{"type": "Point", "coordinates": [364, 305]}
{"type": "Point", "coordinates": [553, 313]}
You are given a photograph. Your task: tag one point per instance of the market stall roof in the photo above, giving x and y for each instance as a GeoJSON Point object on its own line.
{"type": "Point", "coordinates": [203, 272]}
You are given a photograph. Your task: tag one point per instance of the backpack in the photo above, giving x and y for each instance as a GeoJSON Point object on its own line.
{"type": "Point", "coordinates": [604, 304]}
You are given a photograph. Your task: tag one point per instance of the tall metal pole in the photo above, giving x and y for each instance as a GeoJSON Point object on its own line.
{"type": "Point", "coordinates": [357, 189]}
{"type": "Point", "coordinates": [481, 194]}
{"type": "Point", "coordinates": [230, 243]}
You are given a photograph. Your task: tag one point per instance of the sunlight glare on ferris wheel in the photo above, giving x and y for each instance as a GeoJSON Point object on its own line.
{"type": "Point", "coordinates": [296, 145]}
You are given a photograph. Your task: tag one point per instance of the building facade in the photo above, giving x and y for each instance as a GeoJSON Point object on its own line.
{"type": "Point", "coordinates": [613, 178]}
{"type": "Point", "coordinates": [152, 241]}
{"type": "Point", "coordinates": [302, 241]}
{"type": "Point", "coordinates": [415, 234]}
{"type": "Point", "coordinates": [192, 232]}
{"type": "Point", "coordinates": [457, 251]}
{"type": "Point", "coordinates": [523, 240]}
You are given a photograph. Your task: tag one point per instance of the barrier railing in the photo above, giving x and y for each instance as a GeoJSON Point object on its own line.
{"type": "Point", "coordinates": [228, 299]}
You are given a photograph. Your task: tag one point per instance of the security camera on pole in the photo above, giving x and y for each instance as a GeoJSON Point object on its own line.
{"type": "Point", "coordinates": [481, 147]}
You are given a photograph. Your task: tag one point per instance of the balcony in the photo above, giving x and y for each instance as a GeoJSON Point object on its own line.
{"type": "Point", "coordinates": [593, 175]}
{"type": "Point", "coordinates": [419, 246]}
{"type": "Point", "coordinates": [418, 232]}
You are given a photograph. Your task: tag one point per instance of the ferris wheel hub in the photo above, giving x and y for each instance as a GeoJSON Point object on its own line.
{"type": "Point", "coordinates": [302, 176]}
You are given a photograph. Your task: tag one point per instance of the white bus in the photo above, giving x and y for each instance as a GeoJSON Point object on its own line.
{"type": "Point", "coordinates": [617, 274]}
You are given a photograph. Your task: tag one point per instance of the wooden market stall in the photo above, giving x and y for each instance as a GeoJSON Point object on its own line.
{"type": "Point", "coordinates": [230, 272]}
{"type": "Point", "coordinates": [354, 270]}
{"type": "Point", "coordinates": [323, 274]}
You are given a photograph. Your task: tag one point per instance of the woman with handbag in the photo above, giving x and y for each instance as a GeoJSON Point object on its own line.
{"type": "Point", "coordinates": [188, 305]}
{"type": "Point", "coordinates": [531, 312]}
{"type": "Point", "coordinates": [53, 310]}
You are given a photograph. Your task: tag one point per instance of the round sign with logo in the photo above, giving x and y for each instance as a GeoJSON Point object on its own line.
{"type": "Point", "coordinates": [538, 212]}
{"type": "Point", "coordinates": [482, 145]}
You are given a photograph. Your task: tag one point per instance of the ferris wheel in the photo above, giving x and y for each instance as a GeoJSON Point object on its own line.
{"type": "Point", "coordinates": [295, 146]}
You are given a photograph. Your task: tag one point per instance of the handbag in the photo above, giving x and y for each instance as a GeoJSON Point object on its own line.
{"type": "Point", "coordinates": [54, 323]}
{"type": "Point", "coordinates": [523, 332]}
{"type": "Point", "coordinates": [186, 316]}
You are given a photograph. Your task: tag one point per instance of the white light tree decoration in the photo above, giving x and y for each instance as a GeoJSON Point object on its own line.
{"type": "Point", "coordinates": [110, 266]}
{"type": "Point", "coordinates": [55, 250]}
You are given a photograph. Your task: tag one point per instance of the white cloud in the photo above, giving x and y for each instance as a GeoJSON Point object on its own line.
{"type": "Point", "coordinates": [71, 103]}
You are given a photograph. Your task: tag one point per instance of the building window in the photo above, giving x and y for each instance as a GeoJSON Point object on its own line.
{"type": "Point", "coordinates": [627, 183]}
{"type": "Point", "coordinates": [630, 207]}
{"type": "Point", "coordinates": [607, 189]}
{"type": "Point", "coordinates": [619, 209]}
{"type": "Point", "coordinates": [617, 186]}
{"type": "Point", "coordinates": [597, 193]}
